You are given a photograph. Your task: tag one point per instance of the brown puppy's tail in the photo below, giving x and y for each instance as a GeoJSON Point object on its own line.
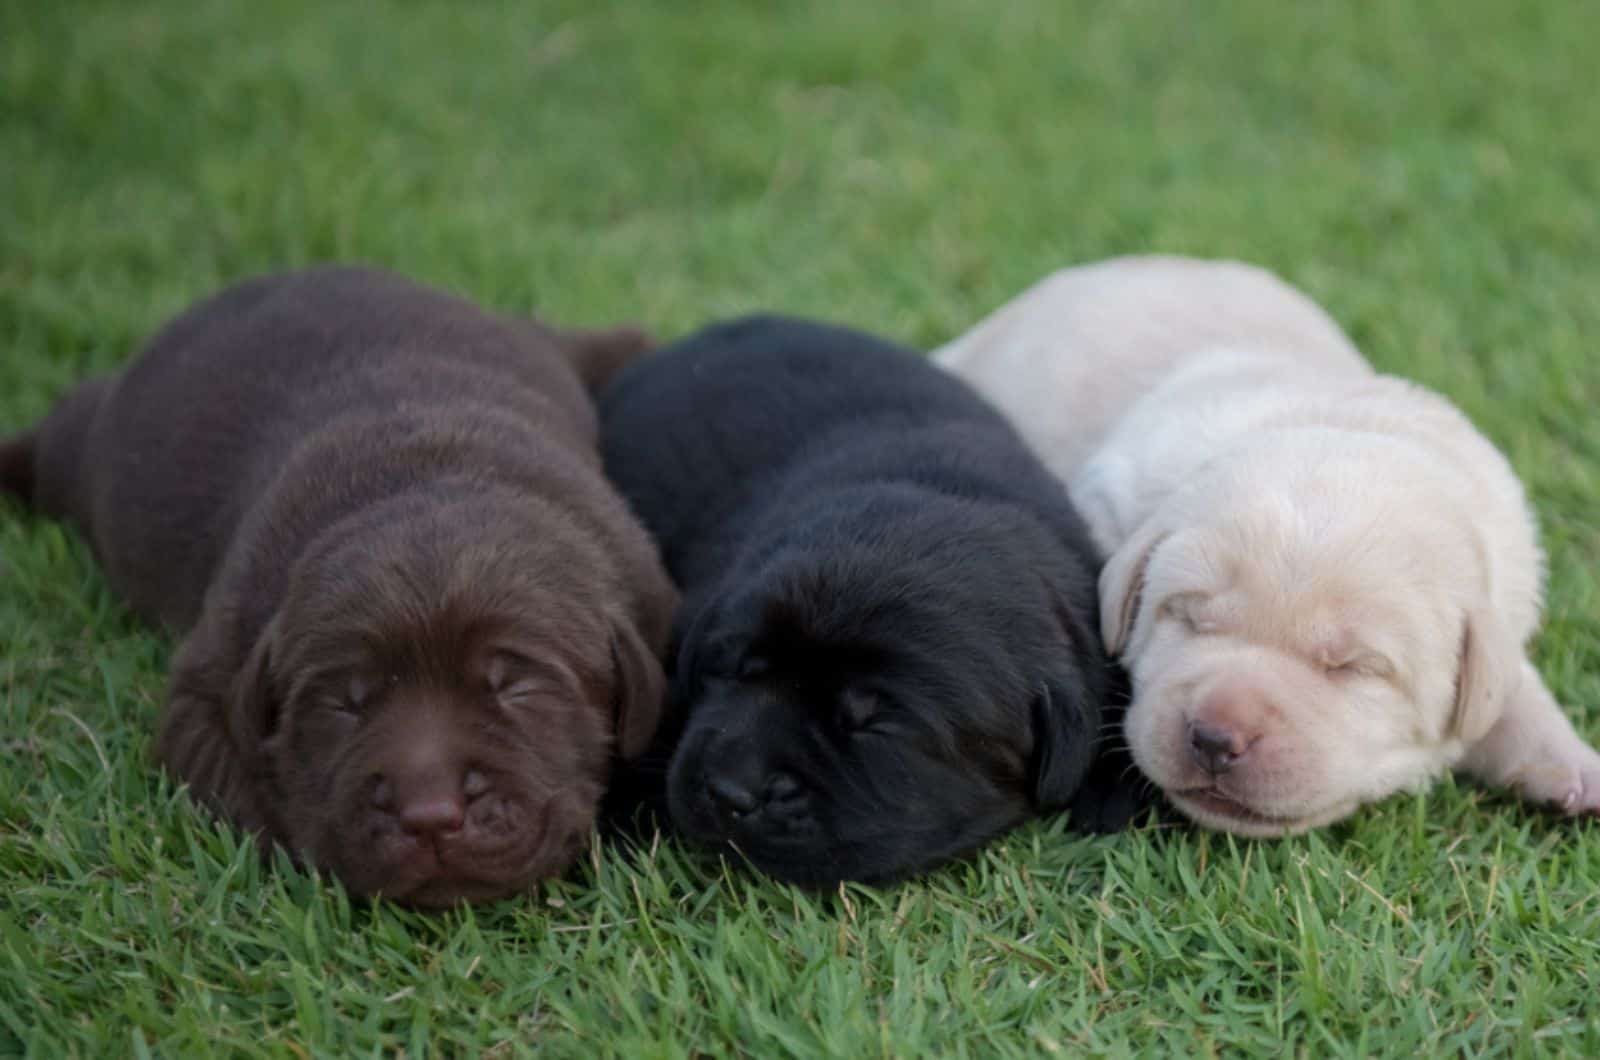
{"type": "Point", "coordinates": [16, 465]}
{"type": "Point", "coordinates": [600, 355]}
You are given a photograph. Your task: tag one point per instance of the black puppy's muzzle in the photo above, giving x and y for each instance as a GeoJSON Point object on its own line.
{"type": "Point", "coordinates": [747, 799]}
{"type": "Point", "coordinates": [725, 786]}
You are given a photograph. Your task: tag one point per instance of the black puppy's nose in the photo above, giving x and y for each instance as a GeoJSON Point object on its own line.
{"type": "Point", "coordinates": [732, 795]}
{"type": "Point", "coordinates": [1215, 748]}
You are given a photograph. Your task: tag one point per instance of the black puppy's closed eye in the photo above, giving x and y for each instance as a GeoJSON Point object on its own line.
{"type": "Point", "coordinates": [858, 710]}
{"type": "Point", "coordinates": [728, 658]}
{"type": "Point", "coordinates": [752, 667]}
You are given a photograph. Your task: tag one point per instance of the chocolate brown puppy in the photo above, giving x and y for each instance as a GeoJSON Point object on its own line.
{"type": "Point", "coordinates": [418, 621]}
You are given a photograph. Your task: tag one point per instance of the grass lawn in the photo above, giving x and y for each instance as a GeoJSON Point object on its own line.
{"type": "Point", "coordinates": [1427, 170]}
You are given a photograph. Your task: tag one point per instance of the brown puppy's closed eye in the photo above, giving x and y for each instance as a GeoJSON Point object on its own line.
{"type": "Point", "coordinates": [419, 621]}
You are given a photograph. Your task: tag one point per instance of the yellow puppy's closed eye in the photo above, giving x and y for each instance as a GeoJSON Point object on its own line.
{"type": "Point", "coordinates": [1189, 609]}
{"type": "Point", "coordinates": [1363, 664]}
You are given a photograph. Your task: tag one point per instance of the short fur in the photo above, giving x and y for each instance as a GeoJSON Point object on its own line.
{"type": "Point", "coordinates": [416, 617]}
{"type": "Point", "coordinates": [1323, 580]}
{"type": "Point", "coordinates": [887, 650]}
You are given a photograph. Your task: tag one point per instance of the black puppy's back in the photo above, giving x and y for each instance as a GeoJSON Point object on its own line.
{"type": "Point", "coordinates": [694, 430]}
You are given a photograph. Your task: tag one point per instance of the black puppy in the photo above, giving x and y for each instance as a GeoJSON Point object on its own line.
{"type": "Point", "coordinates": [887, 651]}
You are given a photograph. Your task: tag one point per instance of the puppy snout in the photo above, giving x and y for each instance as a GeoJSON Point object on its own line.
{"type": "Point", "coordinates": [430, 804]}
{"type": "Point", "coordinates": [1227, 721]}
{"type": "Point", "coordinates": [1216, 748]}
{"type": "Point", "coordinates": [744, 797]}
{"type": "Point", "coordinates": [434, 815]}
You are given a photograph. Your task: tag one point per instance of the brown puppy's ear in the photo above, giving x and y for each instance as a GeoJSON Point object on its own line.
{"type": "Point", "coordinates": [16, 465]}
{"type": "Point", "coordinates": [216, 723]}
{"type": "Point", "coordinates": [638, 691]}
{"type": "Point", "coordinates": [1122, 587]}
{"type": "Point", "coordinates": [600, 355]}
{"type": "Point", "coordinates": [1488, 671]}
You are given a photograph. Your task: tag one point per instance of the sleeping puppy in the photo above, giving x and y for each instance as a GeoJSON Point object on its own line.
{"type": "Point", "coordinates": [418, 619]}
{"type": "Point", "coordinates": [887, 652]}
{"type": "Point", "coordinates": [1322, 580]}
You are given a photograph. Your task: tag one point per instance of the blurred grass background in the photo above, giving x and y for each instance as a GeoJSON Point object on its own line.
{"type": "Point", "coordinates": [1427, 169]}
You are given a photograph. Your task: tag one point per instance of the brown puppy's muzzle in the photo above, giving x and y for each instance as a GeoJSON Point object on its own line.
{"type": "Point", "coordinates": [436, 813]}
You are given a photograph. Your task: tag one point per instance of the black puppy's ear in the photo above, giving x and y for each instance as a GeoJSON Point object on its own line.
{"type": "Point", "coordinates": [691, 646]}
{"type": "Point", "coordinates": [1065, 726]}
{"type": "Point", "coordinates": [217, 722]}
{"type": "Point", "coordinates": [638, 691]}
{"type": "Point", "coordinates": [1066, 712]}
{"type": "Point", "coordinates": [600, 355]}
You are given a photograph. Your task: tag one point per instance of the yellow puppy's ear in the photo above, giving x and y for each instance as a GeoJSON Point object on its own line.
{"type": "Point", "coordinates": [1122, 586]}
{"type": "Point", "coordinates": [1488, 671]}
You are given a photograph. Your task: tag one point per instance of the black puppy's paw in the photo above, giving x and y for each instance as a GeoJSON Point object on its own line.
{"type": "Point", "coordinates": [1112, 797]}
{"type": "Point", "coordinates": [1101, 809]}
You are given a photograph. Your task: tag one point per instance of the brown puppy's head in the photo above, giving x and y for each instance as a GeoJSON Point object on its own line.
{"type": "Point", "coordinates": [1308, 629]}
{"type": "Point", "coordinates": [435, 703]}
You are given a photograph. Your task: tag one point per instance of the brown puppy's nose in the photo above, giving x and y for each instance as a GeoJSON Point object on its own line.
{"type": "Point", "coordinates": [1215, 747]}
{"type": "Point", "coordinates": [428, 805]}
{"type": "Point", "coordinates": [433, 815]}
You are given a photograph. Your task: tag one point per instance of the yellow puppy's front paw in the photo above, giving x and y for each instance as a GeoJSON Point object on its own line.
{"type": "Point", "coordinates": [1569, 781]}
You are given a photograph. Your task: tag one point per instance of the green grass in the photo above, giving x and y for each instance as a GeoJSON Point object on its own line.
{"type": "Point", "coordinates": [1426, 170]}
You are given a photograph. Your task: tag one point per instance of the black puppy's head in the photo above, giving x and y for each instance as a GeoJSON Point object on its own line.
{"type": "Point", "coordinates": [885, 687]}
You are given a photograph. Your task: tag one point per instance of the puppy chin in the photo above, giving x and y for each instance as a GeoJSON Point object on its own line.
{"type": "Point", "coordinates": [1276, 794]}
{"type": "Point", "coordinates": [1213, 808]}
{"type": "Point", "coordinates": [796, 850]}
{"type": "Point", "coordinates": [485, 861]}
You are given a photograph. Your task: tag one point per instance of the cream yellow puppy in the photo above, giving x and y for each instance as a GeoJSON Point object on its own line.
{"type": "Point", "coordinates": [1322, 580]}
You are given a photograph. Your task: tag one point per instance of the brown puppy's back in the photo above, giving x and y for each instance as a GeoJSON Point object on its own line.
{"type": "Point", "coordinates": [205, 418]}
